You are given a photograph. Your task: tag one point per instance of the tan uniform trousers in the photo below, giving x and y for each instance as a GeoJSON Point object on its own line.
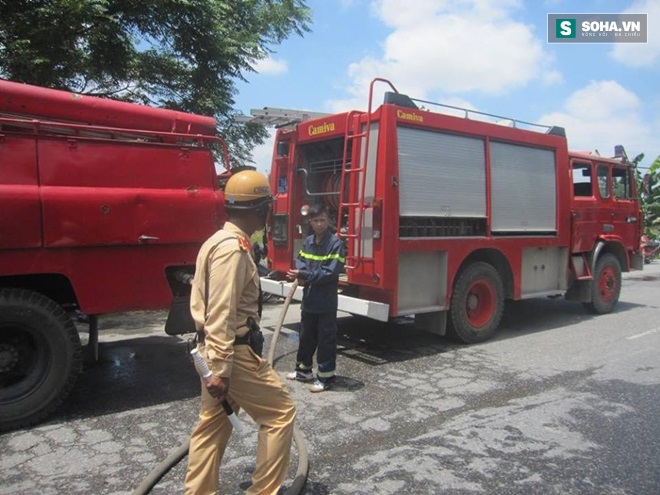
{"type": "Point", "coordinates": [255, 387]}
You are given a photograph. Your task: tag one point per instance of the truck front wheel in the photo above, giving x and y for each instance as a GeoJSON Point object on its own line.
{"type": "Point", "coordinates": [477, 303]}
{"type": "Point", "coordinates": [606, 285]}
{"type": "Point", "coordinates": [40, 357]}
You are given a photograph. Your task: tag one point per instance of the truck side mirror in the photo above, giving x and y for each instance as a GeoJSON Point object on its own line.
{"type": "Point", "coordinates": [282, 148]}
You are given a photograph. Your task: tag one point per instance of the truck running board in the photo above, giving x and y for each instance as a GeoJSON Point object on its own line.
{"type": "Point", "coordinates": [354, 305]}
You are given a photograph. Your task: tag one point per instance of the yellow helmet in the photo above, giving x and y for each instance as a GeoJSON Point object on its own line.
{"type": "Point", "coordinates": [247, 189]}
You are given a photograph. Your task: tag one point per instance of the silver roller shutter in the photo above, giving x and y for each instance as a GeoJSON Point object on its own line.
{"type": "Point", "coordinates": [523, 181]}
{"type": "Point", "coordinates": [441, 174]}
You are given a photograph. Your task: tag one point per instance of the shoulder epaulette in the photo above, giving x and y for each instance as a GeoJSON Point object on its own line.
{"type": "Point", "coordinates": [244, 243]}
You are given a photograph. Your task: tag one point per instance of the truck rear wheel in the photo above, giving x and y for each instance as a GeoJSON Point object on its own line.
{"type": "Point", "coordinates": [606, 285]}
{"type": "Point", "coordinates": [40, 357]}
{"type": "Point", "coordinates": [477, 303]}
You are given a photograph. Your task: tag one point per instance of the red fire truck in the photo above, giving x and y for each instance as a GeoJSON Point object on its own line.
{"type": "Point", "coordinates": [446, 214]}
{"type": "Point", "coordinates": [103, 207]}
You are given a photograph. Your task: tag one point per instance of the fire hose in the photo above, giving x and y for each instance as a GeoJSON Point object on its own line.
{"type": "Point", "coordinates": [182, 451]}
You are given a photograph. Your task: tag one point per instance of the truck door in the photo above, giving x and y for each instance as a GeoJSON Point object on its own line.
{"type": "Point", "coordinates": [625, 209]}
{"type": "Point", "coordinates": [606, 209]}
{"type": "Point", "coordinates": [20, 211]}
{"type": "Point", "coordinates": [586, 224]}
{"type": "Point", "coordinates": [616, 205]}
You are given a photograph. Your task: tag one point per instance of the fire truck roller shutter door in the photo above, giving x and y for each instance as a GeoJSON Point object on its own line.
{"type": "Point", "coordinates": [523, 189]}
{"type": "Point", "coordinates": [441, 174]}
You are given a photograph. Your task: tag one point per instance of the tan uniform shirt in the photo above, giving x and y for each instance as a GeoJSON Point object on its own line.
{"type": "Point", "coordinates": [225, 261]}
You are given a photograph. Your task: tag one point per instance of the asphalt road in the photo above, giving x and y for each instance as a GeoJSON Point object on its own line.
{"type": "Point", "coordinates": [560, 402]}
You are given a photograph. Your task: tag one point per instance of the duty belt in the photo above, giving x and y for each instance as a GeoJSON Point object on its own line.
{"type": "Point", "coordinates": [242, 340]}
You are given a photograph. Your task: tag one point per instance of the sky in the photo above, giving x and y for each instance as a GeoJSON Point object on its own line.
{"type": "Point", "coordinates": [486, 55]}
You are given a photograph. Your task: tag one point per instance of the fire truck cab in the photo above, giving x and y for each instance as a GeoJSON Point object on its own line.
{"type": "Point", "coordinates": [447, 213]}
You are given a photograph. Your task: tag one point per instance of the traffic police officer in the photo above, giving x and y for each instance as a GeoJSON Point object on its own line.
{"type": "Point", "coordinates": [224, 303]}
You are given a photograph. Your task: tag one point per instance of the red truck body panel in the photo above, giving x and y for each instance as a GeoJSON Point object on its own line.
{"type": "Point", "coordinates": [107, 194]}
{"type": "Point", "coordinates": [50, 104]}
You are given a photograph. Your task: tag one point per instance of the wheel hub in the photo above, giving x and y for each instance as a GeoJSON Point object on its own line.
{"type": "Point", "coordinates": [607, 284]}
{"type": "Point", "coordinates": [8, 357]}
{"type": "Point", "coordinates": [480, 303]}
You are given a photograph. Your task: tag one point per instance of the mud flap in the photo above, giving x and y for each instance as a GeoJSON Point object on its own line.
{"type": "Point", "coordinates": [580, 290]}
{"type": "Point", "coordinates": [637, 261]}
{"type": "Point", "coordinates": [434, 322]}
{"type": "Point", "coordinates": [179, 320]}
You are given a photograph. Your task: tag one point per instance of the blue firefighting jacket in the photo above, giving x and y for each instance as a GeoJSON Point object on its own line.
{"type": "Point", "coordinates": [319, 267]}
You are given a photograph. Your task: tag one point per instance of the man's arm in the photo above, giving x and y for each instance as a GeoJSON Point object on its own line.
{"type": "Point", "coordinates": [227, 280]}
{"type": "Point", "coordinates": [300, 264]}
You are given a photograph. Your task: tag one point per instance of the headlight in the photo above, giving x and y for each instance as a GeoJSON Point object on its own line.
{"type": "Point", "coordinates": [279, 228]}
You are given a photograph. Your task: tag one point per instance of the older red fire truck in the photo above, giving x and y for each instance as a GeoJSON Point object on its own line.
{"type": "Point", "coordinates": [103, 207]}
{"type": "Point", "coordinates": [447, 216]}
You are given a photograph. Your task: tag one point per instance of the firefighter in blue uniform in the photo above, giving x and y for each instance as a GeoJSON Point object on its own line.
{"type": "Point", "coordinates": [319, 263]}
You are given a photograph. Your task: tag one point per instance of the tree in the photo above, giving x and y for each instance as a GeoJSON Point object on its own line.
{"type": "Point", "coordinates": [648, 187]}
{"type": "Point", "coordinates": [180, 54]}
{"type": "Point", "coordinates": [651, 200]}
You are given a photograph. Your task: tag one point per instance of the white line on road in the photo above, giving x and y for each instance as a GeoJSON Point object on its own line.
{"type": "Point", "coordinates": [655, 330]}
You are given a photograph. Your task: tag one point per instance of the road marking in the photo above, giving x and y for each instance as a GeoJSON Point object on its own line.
{"type": "Point", "coordinates": [655, 330]}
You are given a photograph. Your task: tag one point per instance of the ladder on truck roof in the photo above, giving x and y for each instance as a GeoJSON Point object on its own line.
{"type": "Point", "coordinates": [278, 117]}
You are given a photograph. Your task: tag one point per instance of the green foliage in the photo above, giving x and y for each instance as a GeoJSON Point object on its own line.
{"type": "Point", "coordinates": [181, 54]}
{"type": "Point", "coordinates": [651, 200]}
{"type": "Point", "coordinates": [648, 186]}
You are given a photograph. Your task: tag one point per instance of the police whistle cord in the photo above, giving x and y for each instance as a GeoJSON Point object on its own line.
{"type": "Point", "coordinates": [182, 451]}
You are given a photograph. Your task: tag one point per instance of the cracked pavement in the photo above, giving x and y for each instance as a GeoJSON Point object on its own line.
{"type": "Point", "coordinates": [560, 402]}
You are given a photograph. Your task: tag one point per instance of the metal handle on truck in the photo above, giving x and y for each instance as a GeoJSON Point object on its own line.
{"type": "Point", "coordinates": [146, 238]}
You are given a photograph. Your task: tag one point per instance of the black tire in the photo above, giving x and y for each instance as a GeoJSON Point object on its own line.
{"type": "Point", "coordinates": [477, 303]}
{"type": "Point", "coordinates": [40, 357]}
{"type": "Point", "coordinates": [606, 285]}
